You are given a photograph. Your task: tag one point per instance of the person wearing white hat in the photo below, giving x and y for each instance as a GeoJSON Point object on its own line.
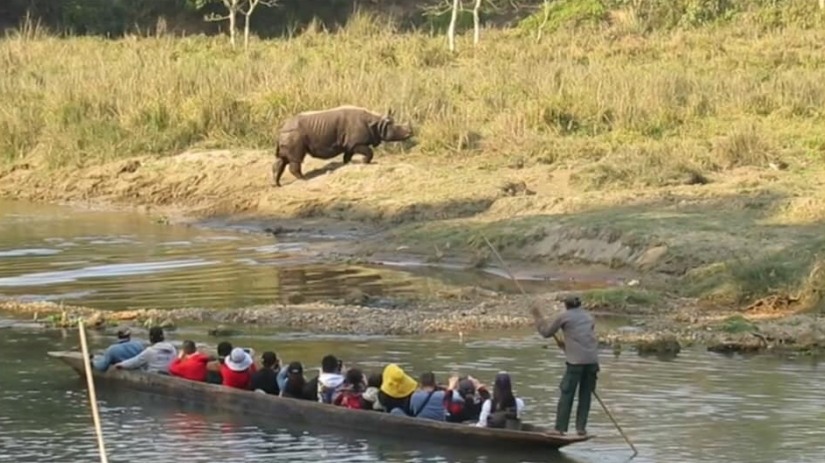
{"type": "Point", "coordinates": [237, 369]}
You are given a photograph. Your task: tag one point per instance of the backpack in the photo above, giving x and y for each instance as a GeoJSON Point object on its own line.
{"type": "Point", "coordinates": [504, 418]}
{"type": "Point", "coordinates": [351, 399]}
{"type": "Point", "coordinates": [325, 394]}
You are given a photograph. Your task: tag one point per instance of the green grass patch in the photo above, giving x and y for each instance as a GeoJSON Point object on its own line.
{"type": "Point", "coordinates": [737, 324]}
{"type": "Point", "coordinates": [621, 298]}
{"type": "Point", "coordinates": [565, 14]}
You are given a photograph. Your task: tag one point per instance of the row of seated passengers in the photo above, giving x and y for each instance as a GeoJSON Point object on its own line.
{"type": "Point", "coordinates": [393, 391]}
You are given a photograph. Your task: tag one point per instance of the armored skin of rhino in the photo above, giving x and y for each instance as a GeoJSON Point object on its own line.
{"type": "Point", "coordinates": [328, 133]}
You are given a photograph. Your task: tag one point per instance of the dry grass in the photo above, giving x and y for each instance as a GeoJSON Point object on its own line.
{"type": "Point", "coordinates": [706, 100]}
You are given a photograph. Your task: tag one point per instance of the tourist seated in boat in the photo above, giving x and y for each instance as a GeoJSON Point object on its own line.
{"type": "Point", "coordinates": [351, 392]}
{"type": "Point", "coordinates": [503, 409]}
{"type": "Point", "coordinates": [464, 399]}
{"type": "Point", "coordinates": [213, 375]}
{"type": "Point", "coordinates": [265, 379]}
{"type": "Point", "coordinates": [428, 401]}
{"type": "Point", "coordinates": [396, 389]}
{"type": "Point", "coordinates": [330, 379]}
{"type": "Point", "coordinates": [370, 395]}
{"type": "Point", "coordinates": [156, 358]}
{"type": "Point", "coordinates": [124, 348]}
{"type": "Point", "coordinates": [190, 364]}
{"type": "Point", "coordinates": [292, 383]}
{"type": "Point", "coordinates": [237, 369]}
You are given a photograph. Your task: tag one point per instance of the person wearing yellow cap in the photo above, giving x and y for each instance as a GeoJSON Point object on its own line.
{"type": "Point", "coordinates": [396, 389]}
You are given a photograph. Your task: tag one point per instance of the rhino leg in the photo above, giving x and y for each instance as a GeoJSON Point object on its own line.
{"type": "Point", "coordinates": [277, 170]}
{"type": "Point", "coordinates": [361, 149]}
{"type": "Point", "coordinates": [295, 169]}
{"type": "Point", "coordinates": [348, 157]}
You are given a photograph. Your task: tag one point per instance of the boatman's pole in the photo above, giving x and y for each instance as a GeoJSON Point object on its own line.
{"type": "Point", "coordinates": [92, 397]}
{"type": "Point", "coordinates": [558, 343]}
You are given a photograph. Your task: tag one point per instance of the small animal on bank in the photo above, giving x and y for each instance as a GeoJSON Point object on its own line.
{"type": "Point", "coordinates": [326, 134]}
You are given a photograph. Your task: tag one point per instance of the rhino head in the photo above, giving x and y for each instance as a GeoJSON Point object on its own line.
{"type": "Point", "coordinates": [389, 130]}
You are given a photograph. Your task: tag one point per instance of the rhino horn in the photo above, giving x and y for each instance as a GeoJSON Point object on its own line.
{"type": "Point", "coordinates": [389, 112]}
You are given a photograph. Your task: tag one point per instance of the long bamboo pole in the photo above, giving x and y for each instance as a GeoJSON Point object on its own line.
{"type": "Point", "coordinates": [92, 397]}
{"type": "Point", "coordinates": [558, 343]}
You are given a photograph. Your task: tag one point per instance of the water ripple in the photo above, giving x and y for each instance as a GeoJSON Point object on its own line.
{"type": "Point", "coordinates": [699, 408]}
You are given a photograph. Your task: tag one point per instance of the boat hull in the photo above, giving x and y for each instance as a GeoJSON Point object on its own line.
{"type": "Point", "coordinates": [302, 412]}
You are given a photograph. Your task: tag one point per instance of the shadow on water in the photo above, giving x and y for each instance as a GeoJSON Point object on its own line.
{"type": "Point", "coordinates": [194, 420]}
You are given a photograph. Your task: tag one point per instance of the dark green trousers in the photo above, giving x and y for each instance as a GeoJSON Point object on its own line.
{"type": "Point", "coordinates": [582, 377]}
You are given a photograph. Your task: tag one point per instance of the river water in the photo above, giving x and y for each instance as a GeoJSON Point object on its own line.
{"type": "Point", "coordinates": [117, 261]}
{"type": "Point", "coordinates": [699, 407]}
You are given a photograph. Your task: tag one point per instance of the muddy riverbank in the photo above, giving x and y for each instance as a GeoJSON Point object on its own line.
{"type": "Point", "coordinates": [664, 330]}
{"type": "Point", "coordinates": [667, 263]}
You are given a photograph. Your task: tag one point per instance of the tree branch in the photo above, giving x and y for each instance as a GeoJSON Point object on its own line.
{"type": "Point", "coordinates": [214, 17]}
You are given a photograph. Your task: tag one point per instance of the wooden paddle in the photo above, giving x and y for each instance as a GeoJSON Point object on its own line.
{"type": "Point", "coordinates": [92, 398]}
{"type": "Point", "coordinates": [561, 346]}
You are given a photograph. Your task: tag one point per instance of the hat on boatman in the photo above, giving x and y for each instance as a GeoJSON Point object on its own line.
{"type": "Point", "coordinates": [238, 360]}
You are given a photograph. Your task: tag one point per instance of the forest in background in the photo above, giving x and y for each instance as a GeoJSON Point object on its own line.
{"type": "Point", "coordinates": [115, 18]}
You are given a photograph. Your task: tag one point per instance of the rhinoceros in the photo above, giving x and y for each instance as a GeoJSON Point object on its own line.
{"type": "Point", "coordinates": [326, 134]}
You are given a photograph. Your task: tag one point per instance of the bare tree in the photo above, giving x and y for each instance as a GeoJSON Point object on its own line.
{"type": "Point", "coordinates": [453, 20]}
{"type": "Point", "coordinates": [250, 8]}
{"type": "Point", "coordinates": [477, 22]}
{"type": "Point", "coordinates": [540, 30]}
{"type": "Point", "coordinates": [232, 8]}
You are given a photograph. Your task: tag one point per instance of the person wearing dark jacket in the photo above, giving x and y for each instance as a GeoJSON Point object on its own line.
{"type": "Point", "coordinates": [464, 399]}
{"type": "Point", "coordinates": [265, 379]}
{"type": "Point", "coordinates": [213, 374]}
{"type": "Point", "coordinates": [292, 383]}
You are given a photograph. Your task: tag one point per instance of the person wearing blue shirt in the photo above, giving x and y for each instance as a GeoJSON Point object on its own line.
{"type": "Point", "coordinates": [428, 401]}
{"type": "Point", "coordinates": [124, 349]}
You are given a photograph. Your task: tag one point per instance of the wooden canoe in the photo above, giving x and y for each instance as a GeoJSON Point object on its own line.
{"type": "Point", "coordinates": [530, 438]}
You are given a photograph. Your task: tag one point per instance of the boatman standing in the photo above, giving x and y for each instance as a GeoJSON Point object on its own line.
{"type": "Point", "coordinates": [581, 349]}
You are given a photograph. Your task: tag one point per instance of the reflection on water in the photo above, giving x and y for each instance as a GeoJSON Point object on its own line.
{"type": "Point", "coordinates": [699, 407]}
{"type": "Point", "coordinates": [118, 260]}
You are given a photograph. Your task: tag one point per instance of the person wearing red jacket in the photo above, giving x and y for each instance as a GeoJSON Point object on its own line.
{"type": "Point", "coordinates": [190, 364]}
{"type": "Point", "coordinates": [237, 369]}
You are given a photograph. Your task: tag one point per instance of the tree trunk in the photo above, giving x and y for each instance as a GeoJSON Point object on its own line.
{"type": "Point", "coordinates": [246, 30]}
{"type": "Point", "coordinates": [477, 22]}
{"type": "Point", "coordinates": [451, 29]}
{"type": "Point", "coordinates": [540, 31]}
{"type": "Point", "coordinates": [233, 18]}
